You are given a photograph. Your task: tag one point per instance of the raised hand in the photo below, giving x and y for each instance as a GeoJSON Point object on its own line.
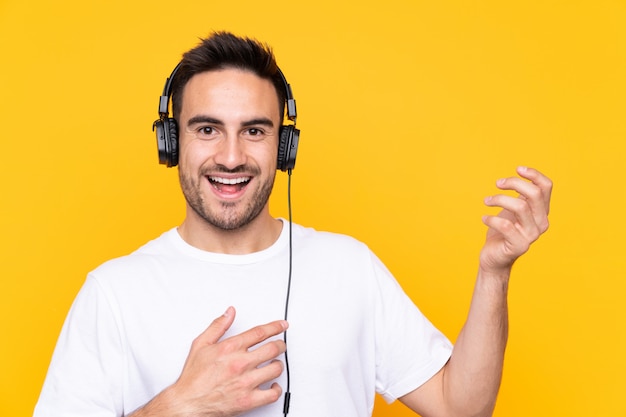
{"type": "Point", "coordinates": [522, 219]}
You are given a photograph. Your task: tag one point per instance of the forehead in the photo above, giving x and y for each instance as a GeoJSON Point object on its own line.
{"type": "Point", "coordinates": [231, 91]}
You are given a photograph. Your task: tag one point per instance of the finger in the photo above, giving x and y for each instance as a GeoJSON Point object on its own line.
{"type": "Point", "coordinates": [266, 373]}
{"type": "Point", "coordinates": [516, 243]}
{"type": "Point", "coordinates": [522, 216]}
{"type": "Point", "coordinates": [540, 180]}
{"type": "Point", "coordinates": [258, 334]}
{"type": "Point", "coordinates": [523, 187]}
{"type": "Point", "coordinates": [217, 328]}
{"type": "Point", "coordinates": [268, 351]}
{"type": "Point", "coordinates": [262, 397]}
{"type": "Point", "coordinates": [529, 192]}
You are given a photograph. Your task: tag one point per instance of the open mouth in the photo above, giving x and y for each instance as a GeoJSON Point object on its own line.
{"type": "Point", "coordinates": [229, 185]}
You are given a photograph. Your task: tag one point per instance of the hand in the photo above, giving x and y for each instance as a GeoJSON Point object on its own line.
{"type": "Point", "coordinates": [522, 219]}
{"type": "Point", "coordinates": [223, 377]}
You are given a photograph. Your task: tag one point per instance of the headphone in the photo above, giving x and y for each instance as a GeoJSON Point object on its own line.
{"type": "Point", "coordinates": [167, 129]}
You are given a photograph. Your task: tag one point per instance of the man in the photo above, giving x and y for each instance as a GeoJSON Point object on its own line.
{"type": "Point", "coordinates": [136, 341]}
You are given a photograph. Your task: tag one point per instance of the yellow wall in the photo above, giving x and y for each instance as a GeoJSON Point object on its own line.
{"type": "Point", "coordinates": [409, 113]}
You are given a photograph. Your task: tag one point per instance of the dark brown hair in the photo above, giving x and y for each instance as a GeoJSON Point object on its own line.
{"type": "Point", "coordinates": [224, 50]}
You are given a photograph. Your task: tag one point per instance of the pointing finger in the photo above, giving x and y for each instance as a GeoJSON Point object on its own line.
{"type": "Point", "coordinates": [260, 333]}
{"type": "Point", "coordinates": [217, 328]}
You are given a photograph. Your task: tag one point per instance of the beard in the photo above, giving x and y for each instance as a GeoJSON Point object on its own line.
{"type": "Point", "coordinates": [226, 215]}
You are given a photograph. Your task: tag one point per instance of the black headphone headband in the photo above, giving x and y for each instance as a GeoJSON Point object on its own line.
{"type": "Point", "coordinates": [167, 130]}
{"type": "Point", "coordinates": [167, 92]}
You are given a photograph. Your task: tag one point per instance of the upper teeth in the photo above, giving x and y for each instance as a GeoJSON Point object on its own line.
{"type": "Point", "coordinates": [229, 181]}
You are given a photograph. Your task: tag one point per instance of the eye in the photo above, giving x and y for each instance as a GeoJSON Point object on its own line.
{"type": "Point", "coordinates": [253, 131]}
{"type": "Point", "coordinates": [206, 130]}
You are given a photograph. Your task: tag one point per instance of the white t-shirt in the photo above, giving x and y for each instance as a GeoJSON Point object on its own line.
{"type": "Point", "coordinates": [353, 331]}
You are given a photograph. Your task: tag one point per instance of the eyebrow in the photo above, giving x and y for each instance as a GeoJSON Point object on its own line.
{"type": "Point", "coordinates": [263, 121]}
{"type": "Point", "coordinates": [204, 119]}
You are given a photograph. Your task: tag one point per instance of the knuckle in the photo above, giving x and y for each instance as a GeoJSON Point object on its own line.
{"type": "Point", "coordinates": [520, 204]}
{"type": "Point", "coordinates": [197, 343]}
{"type": "Point", "coordinates": [245, 402]}
{"type": "Point", "coordinates": [237, 366]}
{"type": "Point", "coordinates": [274, 349]}
{"type": "Point", "coordinates": [535, 193]}
{"type": "Point", "coordinates": [259, 333]}
{"type": "Point", "coordinates": [228, 346]}
{"type": "Point", "coordinates": [548, 183]}
{"type": "Point", "coordinates": [508, 227]}
{"type": "Point", "coordinates": [276, 369]}
{"type": "Point", "coordinates": [244, 383]}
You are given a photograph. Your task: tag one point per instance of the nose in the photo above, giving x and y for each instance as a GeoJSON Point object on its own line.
{"type": "Point", "coordinates": [230, 152]}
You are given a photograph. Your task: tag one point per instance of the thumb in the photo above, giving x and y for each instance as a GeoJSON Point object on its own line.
{"type": "Point", "coordinates": [217, 328]}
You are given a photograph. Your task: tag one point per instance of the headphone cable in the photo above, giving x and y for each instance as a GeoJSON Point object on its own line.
{"type": "Point", "coordinates": [288, 392]}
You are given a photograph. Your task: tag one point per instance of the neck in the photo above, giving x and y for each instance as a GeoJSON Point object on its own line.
{"type": "Point", "coordinates": [259, 234]}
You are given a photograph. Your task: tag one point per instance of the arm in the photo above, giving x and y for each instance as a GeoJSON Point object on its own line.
{"type": "Point", "coordinates": [222, 378]}
{"type": "Point", "coordinates": [468, 384]}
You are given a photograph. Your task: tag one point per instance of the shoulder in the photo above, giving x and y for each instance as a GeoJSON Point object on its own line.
{"type": "Point", "coordinates": [150, 254]}
{"type": "Point", "coordinates": [328, 250]}
{"type": "Point", "coordinates": [327, 241]}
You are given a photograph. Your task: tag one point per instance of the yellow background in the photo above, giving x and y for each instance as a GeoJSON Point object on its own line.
{"type": "Point", "coordinates": [409, 111]}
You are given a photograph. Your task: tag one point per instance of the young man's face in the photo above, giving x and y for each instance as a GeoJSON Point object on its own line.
{"type": "Point", "coordinates": [228, 133]}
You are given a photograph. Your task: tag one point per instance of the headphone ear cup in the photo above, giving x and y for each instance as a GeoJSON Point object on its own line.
{"type": "Point", "coordinates": [167, 141]}
{"type": "Point", "coordinates": [159, 128]}
{"type": "Point", "coordinates": [287, 147]}
{"type": "Point", "coordinates": [282, 146]}
{"type": "Point", "coordinates": [172, 128]}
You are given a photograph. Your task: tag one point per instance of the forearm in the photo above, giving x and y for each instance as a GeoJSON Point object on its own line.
{"type": "Point", "coordinates": [473, 374]}
{"type": "Point", "coordinates": [160, 405]}
{"type": "Point", "coordinates": [170, 403]}
{"type": "Point", "coordinates": [468, 384]}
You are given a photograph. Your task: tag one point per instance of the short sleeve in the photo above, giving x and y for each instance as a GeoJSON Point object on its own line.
{"type": "Point", "coordinates": [409, 349]}
{"type": "Point", "coordinates": [84, 377]}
